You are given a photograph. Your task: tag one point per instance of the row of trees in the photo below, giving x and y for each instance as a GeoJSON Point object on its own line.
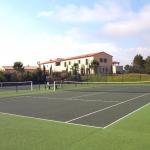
{"type": "Point", "coordinates": [139, 65]}
{"type": "Point", "coordinates": [19, 74]}
{"type": "Point", "coordinates": [41, 75]}
{"type": "Point", "coordinates": [93, 66]}
{"type": "Point", "coordinates": [75, 71]}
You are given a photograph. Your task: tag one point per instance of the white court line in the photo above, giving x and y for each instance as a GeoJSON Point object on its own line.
{"type": "Point", "coordinates": [48, 120]}
{"type": "Point", "coordinates": [85, 95]}
{"type": "Point", "coordinates": [94, 100]}
{"type": "Point", "coordinates": [9, 114]}
{"type": "Point", "coordinates": [106, 108]}
{"type": "Point", "coordinates": [74, 99]}
{"type": "Point", "coordinates": [126, 116]}
{"type": "Point", "coordinates": [69, 123]}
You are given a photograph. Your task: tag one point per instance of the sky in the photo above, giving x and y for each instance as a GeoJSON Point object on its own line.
{"type": "Point", "coordinates": [40, 30]}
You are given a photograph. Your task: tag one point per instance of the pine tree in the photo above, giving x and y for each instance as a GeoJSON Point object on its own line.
{"type": "Point", "coordinates": [138, 63]}
{"type": "Point", "coordinates": [147, 65]}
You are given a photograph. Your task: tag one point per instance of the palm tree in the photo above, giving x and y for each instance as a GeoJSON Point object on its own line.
{"type": "Point", "coordinates": [75, 68]}
{"type": "Point", "coordinates": [67, 68]}
{"type": "Point", "coordinates": [147, 65]}
{"type": "Point", "coordinates": [51, 70]}
{"type": "Point", "coordinates": [2, 77]}
{"type": "Point", "coordinates": [44, 73]}
{"type": "Point", "coordinates": [18, 66]}
{"type": "Point", "coordinates": [82, 70]}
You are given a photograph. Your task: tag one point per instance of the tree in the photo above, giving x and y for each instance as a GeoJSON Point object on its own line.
{"type": "Point", "coordinates": [138, 63]}
{"type": "Point", "coordinates": [44, 73]}
{"type": "Point", "coordinates": [82, 70]}
{"type": "Point", "coordinates": [18, 75]}
{"type": "Point", "coordinates": [27, 76]}
{"type": "Point", "coordinates": [18, 66]}
{"type": "Point", "coordinates": [44, 69]}
{"type": "Point", "coordinates": [94, 65]}
{"type": "Point", "coordinates": [147, 65]}
{"type": "Point", "coordinates": [7, 76]}
{"type": "Point", "coordinates": [67, 68]}
{"type": "Point", "coordinates": [87, 71]}
{"type": "Point", "coordinates": [2, 77]}
{"type": "Point", "coordinates": [15, 77]}
{"type": "Point", "coordinates": [128, 68]}
{"type": "Point", "coordinates": [37, 76]}
{"type": "Point", "coordinates": [51, 70]}
{"type": "Point", "coordinates": [75, 68]}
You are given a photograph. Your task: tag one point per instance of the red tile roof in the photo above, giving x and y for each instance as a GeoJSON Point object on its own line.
{"type": "Point", "coordinates": [25, 67]}
{"type": "Point", "coordinates": [75, 57]}
{"type": "Point", "coordinates": [115, 62]}
{"type": "Point", "coordinates": [30, 67]}
{"type": "Point", "coordinates": [8, 67]}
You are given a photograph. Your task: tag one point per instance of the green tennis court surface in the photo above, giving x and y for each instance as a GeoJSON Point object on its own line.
{"type": "Point", "coordinates": [71, 120]}
{"type": "Point", "coordinates": [96, 109]}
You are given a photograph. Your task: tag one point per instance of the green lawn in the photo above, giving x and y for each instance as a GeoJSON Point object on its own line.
{"type": "Point", "coordinates": [7, 93]}
{"type": "Point", "coordinates": [131, 133]}
{"type": "Point", "coordinates": [118, 78]}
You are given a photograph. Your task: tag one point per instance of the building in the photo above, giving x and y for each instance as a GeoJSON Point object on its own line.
{"type": "Point", "coordinates": [30, 68]}
{"type": "Point", "coordinates": [1, 68]}
{"type": "Point", "coordinates": [10, 69]}
{"type": "Point", "coordinates": [83, 61]}
{"type": "Point", "coordinates": [116, 68]}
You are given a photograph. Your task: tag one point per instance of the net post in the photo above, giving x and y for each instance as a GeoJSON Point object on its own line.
{"type": "Point", "coordinates": [16, 88]}
{"type": "Point", "coordinates": [54, 86]}
{"type": "Point", "coordinates": [1, 84]}
{"type": "Point", "coordinates": [39, 86]}
{"type": "Point", "coordinates": [31, 86]}
{"type": "Point", "coordinates": [45, 85]}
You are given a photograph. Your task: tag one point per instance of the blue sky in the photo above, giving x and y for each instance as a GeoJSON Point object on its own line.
{"type": "Point", "coordinates": [39, 30]}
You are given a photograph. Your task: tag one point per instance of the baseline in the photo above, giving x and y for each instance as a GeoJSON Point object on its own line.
{"type": "Point", "coordinates": [49, 120]}
{"type": "Point", "coordinates": [94, 112]}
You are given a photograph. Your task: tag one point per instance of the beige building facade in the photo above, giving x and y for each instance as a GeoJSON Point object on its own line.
{"type": "Point", "coordinates": [84, 61]}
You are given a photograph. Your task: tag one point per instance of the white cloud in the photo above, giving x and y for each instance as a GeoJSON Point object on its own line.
{"type": "Point", "coordinates": [42, 47]}
{"type": "Point", "coordinates": [106, 11]}
{"type": "Point", "coordinates": [118, 22]}
{"type": "Point", "coordinates": [137, 24]}
{"type": "Point", "coordinates": [141, 50]}
{"type": "Point", "coordinates": [126, 55]}
{"type": "Point", "coordinates": [45, 14]}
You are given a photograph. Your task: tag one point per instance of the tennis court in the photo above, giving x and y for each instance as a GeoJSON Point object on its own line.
{"type": "Point", "coordinates": [82, 107]}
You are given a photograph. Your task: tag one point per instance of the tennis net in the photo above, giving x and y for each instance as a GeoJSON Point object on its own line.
{"type": "Point", "coordinates": [127, 87]}
{"type": "Point", "coordinates": [15, 86]}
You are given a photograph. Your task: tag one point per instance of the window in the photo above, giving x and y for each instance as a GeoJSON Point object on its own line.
{"type": "Point", "coordinates": [79, 61]}
{"type": "Point", "coordinates": [101, 60]}
{"type": "Point", "coordinates": [57, 63]}
{"type": "Point", "coordinates": [69, 63]}
{"type": "Point", "coordinates": [105, 60]}
{"type": "Point", "coordinates": [86, 61]}
{"type": "Point", "coordinates": [65, 64]}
